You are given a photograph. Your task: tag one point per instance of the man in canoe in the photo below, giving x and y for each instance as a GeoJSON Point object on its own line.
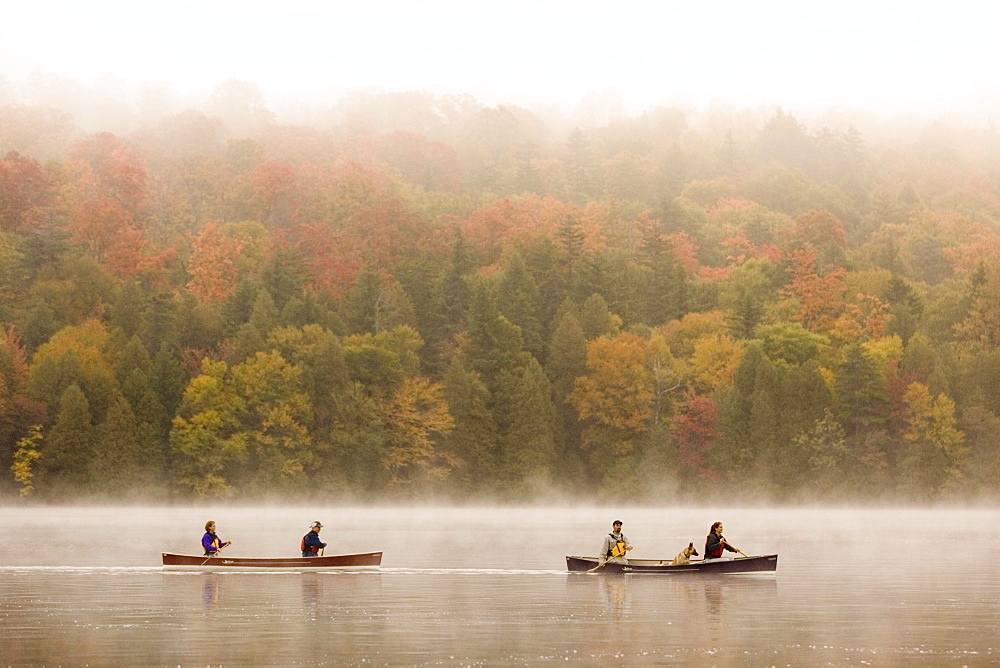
{"type": "Point", "coordinates": [311, 544]}
{"type": "Point", "coordinates": [211, 542]}
{"type": "Point", "coordinates": [615, 546]}
{"type": "Point", "coordinates": [716, 543]}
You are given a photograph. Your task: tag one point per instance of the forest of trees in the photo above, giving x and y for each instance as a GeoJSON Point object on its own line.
{"type": "Point", "coordinates": [409, 295]}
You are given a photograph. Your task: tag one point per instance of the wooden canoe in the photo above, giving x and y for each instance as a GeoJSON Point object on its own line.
{"type": "Point", "coordinates": [351, 562]}
{"type": "Point", "coordinates": [762, 564]}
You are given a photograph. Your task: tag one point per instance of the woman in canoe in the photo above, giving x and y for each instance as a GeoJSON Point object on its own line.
{"type": "Point", "coordinates": [211, 542]}
{"type": "Point", "coordinates": [716, 543]}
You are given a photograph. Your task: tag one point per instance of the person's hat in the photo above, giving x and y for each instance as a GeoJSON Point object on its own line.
{"type": "Point", "coordinates": [616, 522]}
{"type": "Point", "coordinates": [315, 524]}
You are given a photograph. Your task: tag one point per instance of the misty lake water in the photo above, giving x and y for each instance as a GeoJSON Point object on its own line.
{"type": "Point", "coordinates": [488, 586]}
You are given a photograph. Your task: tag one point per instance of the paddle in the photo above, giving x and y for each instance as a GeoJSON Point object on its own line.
{"type": "Point", "coordinates": [738, 550]}
{"type": "Point", "coordinates": [600, 565]}
{"type": "Point", "coordinates": [214, 553]}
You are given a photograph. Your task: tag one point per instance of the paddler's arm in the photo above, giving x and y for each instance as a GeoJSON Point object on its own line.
{"type": "Point", "coordinates": [605, 546]}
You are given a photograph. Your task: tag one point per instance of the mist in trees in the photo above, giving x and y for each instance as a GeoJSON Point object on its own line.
{"type": "Point", "coordinates": [402, 295]}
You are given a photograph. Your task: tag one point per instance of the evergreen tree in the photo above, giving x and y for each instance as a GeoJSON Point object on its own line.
{"type": "Point", "coordinates": [529, 450]}
{"type": "Point", "coordinates": [161, 324]}
{"type": "Point", "coordinates": [39, 326]}
{"type": "Point", "coordinates": [596, 320]}
{"type": "Point", "coordinates": [805, 398]}
{"type": "Point", "coordinates": [566, 361]}
{"type": "Point", "coordinates": [567, 357]}
{"type": "Point", "coordinates": [663, 293]}
{"type": "Point", "coordinates": [474, 440]}
{"type": "Point", "coordinates": [862, 394]}
{"type": "Point", "coordinates": [167, 379]}
{"type": "Point", "coordinates": [264, 314]}
{"type": "Point", "coordinates": [121, 461]}
{"type": "Point", "coordinates": [518, 301]}
{"type": "Point", "coordinates": [455, 290]}
{"type": "Point", "coordinates": [134, 356]}
{"type": "Point", "coordinates": [326, 381]}
{"type": "Point", "coordinates": [128, 311]}
{"type": "Point", "coordinates": [69, 446]}
{"type": "Point", "coordinates": [283, 275]}
{"type": "Point", "coordinates": [237, 308]}
{"type": "Point", "coordinates": [748, 413]}
{"type": "Point", "coordinates": [543, 260]}
{"type": "Point", "coordinates": [494, 343]}
{"type": "Point", "coordinates": [357, 444]}
{"type": "Point", "coordinates": [363, 302]}
{"type": "Point", "coordinates": [51, 377]}
{"type": "Point", "coordinates": [140, 395]}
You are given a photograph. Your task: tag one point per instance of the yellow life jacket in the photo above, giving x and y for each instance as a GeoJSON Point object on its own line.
{"type": "Point", "coordinates": [618, 549]}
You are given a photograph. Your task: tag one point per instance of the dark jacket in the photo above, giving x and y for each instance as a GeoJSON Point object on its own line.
{"type": "Point", "coordinates": [211, 543]}
{"type": "Point", "coordinates": [714, 546]}
{"type": "Point", "coordinates": [311, 544]}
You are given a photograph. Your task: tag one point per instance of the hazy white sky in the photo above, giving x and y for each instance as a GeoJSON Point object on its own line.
{"type": "Point", "coordinates": [893, 55]}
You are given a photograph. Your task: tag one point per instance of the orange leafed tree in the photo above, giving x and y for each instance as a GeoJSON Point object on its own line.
{"type": "Point", "coordinates": [819, 229]}
{"type": "Point", "coordinates": [982, 249]}
{"type": "Point", "coordinates": [25, 189]}
{"type": "Point", "coordinates": [864, 319]}
{"type": "Point", "coordinates": [497, 227]}
{"type": "Point", "coordinates": [821, 298]}
{"type": "Point", "coordinates": [126, 257]}
{"type": "Point", "coordinates": [694, 427]}
{"type": "Point", "coordinates": [275, 191]}
{"type": "Point", "coordinates": [417, 413]}
{"type": "Point", "coordinates": [432, 164]}
{"type": "Point", "coordinates": [107, 168]}
{"type": "Point", "coordinates": [618, 388]}
{"type": "Point", "coordinates": [333, 262]}
{"type": "Point", "coordinates": [213, 264]}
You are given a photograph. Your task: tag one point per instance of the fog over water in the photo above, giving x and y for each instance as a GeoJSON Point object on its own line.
{"type": "Point", "coordinates": [489, 586]}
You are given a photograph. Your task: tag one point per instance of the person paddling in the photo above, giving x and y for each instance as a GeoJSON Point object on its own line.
{"type": "Point", "coordinates": [311, 544]}
{"type": "Point", "coordinates": [615, 546]}
{"type": "Point", "coordinates": [716, 543]}
{"type": "Point", "coordinates": [211, 542]}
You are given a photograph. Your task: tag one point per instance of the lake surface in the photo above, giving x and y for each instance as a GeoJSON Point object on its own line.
{"type": "Point", "coordinates": [488, 586]}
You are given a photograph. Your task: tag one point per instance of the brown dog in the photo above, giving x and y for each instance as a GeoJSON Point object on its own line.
{"type": "Point", "coordinates": [685, 556]}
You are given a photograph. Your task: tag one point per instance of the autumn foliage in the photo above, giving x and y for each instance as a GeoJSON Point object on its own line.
{"type": "Point", "coordinates": [477, 302]}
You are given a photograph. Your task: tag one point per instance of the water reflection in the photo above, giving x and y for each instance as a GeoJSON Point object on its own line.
{"type": "Point", "coordinates": [310, 596]}
{"type": "Point", "coordinates": [210, 590]}
{"type": "Point", "coordinates": [614, 592]}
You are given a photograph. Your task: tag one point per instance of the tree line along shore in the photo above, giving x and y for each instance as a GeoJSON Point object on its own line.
{"type": "Point", "coordinates": [443, 298]}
